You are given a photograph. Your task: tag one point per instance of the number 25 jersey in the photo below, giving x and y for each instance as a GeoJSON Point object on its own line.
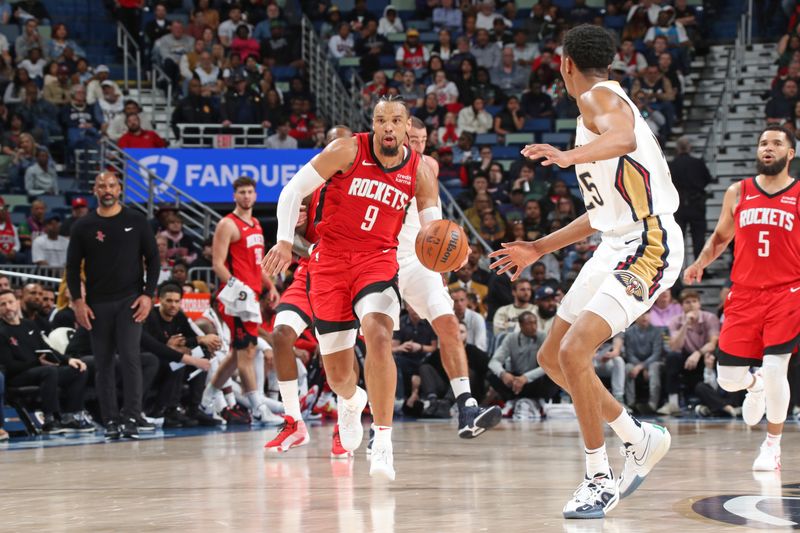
{"type": "Point", "coordinates": [363, 208]}
{"type": "Point", "coordinates": [622, 191]}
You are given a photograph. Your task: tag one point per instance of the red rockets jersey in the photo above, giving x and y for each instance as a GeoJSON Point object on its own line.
{"type": "Point", "coordinates": [363, 208]}
{"type": "Point", "coordinates": [245, 255]}
{"type": "Point", "coordinates": [767, 245]}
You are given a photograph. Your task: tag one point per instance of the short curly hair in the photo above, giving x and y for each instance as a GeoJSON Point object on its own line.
{"type": "Point", "coordinates": [591, 48]}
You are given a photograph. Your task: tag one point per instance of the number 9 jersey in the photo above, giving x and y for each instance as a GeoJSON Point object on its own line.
{"type": "Point", "coordinates": [363, 208]}
{"type": "Point", "coordinates": [623, 191]}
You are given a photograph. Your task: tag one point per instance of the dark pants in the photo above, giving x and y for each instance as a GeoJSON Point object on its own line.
{"type": "Point", "coordinates": [52, 380]}
{"type": "Point", "coordinates": [542, 388]}
{"type": "Point", "coordinates": [131, 19]}
{"type": "Point", "coordinates": [716, 399]}
{"type": "Point", "coordinates": [115, 332]}
{"type": "Point", "coordinates": [169, 388]}
{"type": "Point", "coordinates": [697, 230]}
{"type": "Point", "coordinates": [677, 375]}
{"type": "Point", "coordinates": [149, 371]}
{"type": "Point", "coordinates": [406, 368]}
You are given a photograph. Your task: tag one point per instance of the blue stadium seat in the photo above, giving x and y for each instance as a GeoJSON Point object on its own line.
{"type": "Point", "coordinates": [493, 109]}
{"type": "Point", "coordinates": [52, 201]}
{"type": "Point", "coordinates": [535, 125]}
{"type": "Point", "coordinates": [11, 31]}
{"type": "Point", "coordinates": [505, 152]}
{"type": "Point", "coordinates": [387, 62]}
{"type": "Point", "coordinates": [564, 4]}
{"type": "Point", "coordinates": [557, 139]}
{"type": "Point", "coordinates": [614, 22]}
{"type": "Point", "coordinates": [284, 73]}
{"type": "Point", "coordinates": [486, 138]}
{"type": "Point", "coordinates": [376, 7]}
{"type": "Point", "coordinates": [24, 209]}
{"type": "Point", "coordinates": [18, 218]}
{"type": "Point", "coordinates": [569, 177]}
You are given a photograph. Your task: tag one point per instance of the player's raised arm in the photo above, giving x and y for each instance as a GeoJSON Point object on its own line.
{"type": "Point", "coordinates": [604, 113]}
{"type": "Point", "coordinates": [719, 240]}
{"type": "Point", "coordinates": [337, 156]}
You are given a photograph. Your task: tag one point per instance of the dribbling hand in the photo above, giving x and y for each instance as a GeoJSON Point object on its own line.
{"type": "Point", "coordinates": [277, 259]}
{"type": "Point", "coordinates": [517, 254]}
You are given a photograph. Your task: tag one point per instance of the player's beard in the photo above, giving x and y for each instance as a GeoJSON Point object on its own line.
{"type": "Point", "coordinates": [389, 151]}
{"type": "Point", "coordinates": [243, 207]}
{"type": "Point", "coordinates": [773, 169]}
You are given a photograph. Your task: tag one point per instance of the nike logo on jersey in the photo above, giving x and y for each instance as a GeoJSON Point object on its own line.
{"type": "Point", "coordinates": [366, 164]}
{"type": "Point", "coordinates": [128, 229]}
{"type": "Point", "coordinates": [386, 251]}
{"type": "Point", "coordinates": [748, 197]}
{"type": "Point", "coordinates": [794, 289]}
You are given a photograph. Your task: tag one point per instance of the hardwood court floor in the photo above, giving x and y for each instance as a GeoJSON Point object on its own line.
{"type": "Point", "coordinates": [515, 478]}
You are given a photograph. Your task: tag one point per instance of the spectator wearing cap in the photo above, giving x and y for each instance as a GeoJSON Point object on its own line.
{"type": "Point", "coordinates": [41, 177]}
{"type": "Point", "coordinates": [194, 108]}
{"type": "Point", "coordinates": [692, 335]}
{"type": "Point", "coordinates": [9, 239]}
{"type": "Point", "coordinates": [487, 53]}
{"type": "Point", "coordinates": [117, 127]}
{"type": "Point", "coordinates": [136, 137]}
{"type": "Point", "coordinates": [546, 307]}
{"type": "Point", "coordinates": [80, 208]}
{"type": "Point", "coordinates": [390, 22]}
{"type": "Point", "coordinates": [57, 93]}
{"type": "Point", "coordinates": [159, 26]}
{"type": "Point", "coordinates": [94, 89]}
{"type": "Point", "coordinates": [507, 317]}
{"type": "Point", "coordinates": [110, 105]}
{"type": "Point", "coordinates": [239, 104]}
{"type": "Point", "coordinates": [281, 138]}
{"type": "Point", "coordinates": [412, 55]}
{"type": "Point", "coordinates": [331, 23]}
{"type": "Point", "coordinates": [50, 249]}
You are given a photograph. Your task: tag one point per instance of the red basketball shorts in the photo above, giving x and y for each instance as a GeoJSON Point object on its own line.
{"type": "Point", "coordinates": [243, 334]}
{"type": "Point", "coordinates": [344, 286]}
{"type": "Point", "coordinates": [294, 310]}
{"type": "Point", "coordinates": [759, 322]}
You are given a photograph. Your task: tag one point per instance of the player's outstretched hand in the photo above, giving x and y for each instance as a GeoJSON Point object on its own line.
{"type": "Point", "coordinates": [692, 274]}
{"type": "Point", "coordinates": [277, 259]}
{"type": "Point", "coordinates": [517, 254]}
{"type": "Point", "coordinates": [550, 154]}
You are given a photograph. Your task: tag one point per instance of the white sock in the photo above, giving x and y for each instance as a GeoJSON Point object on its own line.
{"type": "Point", "coordinates": [597, 461]}
{"type": "Point", "coordinates": [673, 399]}
{"type": "Point", "coordinates": [383, 435]}
{"type": "Point", "coordinates": [290, 398]}
{"type": "Point", "coordinates": [627, 428]}
{"type": "Point", "coordinates": [209, 393]}
{"type": "Point", "coordinates": [773, 440]}
{"type": "Point", "coordinates": [230, 399]}
{"type": "Point", "coordinates": [460, 386]}
{"type": "Point", "coordinates": [254, 399]}
{"type": "Point", "coordinates": [352, 401]}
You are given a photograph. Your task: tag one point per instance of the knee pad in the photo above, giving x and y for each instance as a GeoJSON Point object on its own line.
{"type": "Point", "coordinates": [733, 378]}
{"type": "Point", "coordinates": [776, 387]}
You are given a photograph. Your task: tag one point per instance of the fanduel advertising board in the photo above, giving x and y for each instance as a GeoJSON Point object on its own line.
{"type": "Point", "coordinates": [207, 174]}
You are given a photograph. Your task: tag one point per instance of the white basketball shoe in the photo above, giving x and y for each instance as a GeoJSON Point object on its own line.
{"type": "Point", "coordinates": [594, 498]}
{"type": "Point", "coordinates": [350, 429]}
{"type": "Point", "coordinates": [769, 458]}
{"type": "Point", "coordinates": [641, 457]}
{"type": "Point", "coordinates": [382, 461]}
{"type": "Point", "coordinates": [755, 402]}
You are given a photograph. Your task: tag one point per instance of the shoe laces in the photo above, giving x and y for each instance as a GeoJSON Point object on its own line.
{"type": "Point", "coordinates": [287, 427]}
{"type": "Point", "coordinates": [589, 490]}
{"type": "Point", "coordinates": [381, 454]}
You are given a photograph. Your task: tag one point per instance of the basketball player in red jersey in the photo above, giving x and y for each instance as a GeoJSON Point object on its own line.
{"type": "Point", "coordinates": [762, 310]}
{"type": "Point", "coordinates": [293, 317]}
{"type": "Point", "coordinates": [371, 177]}
{"type": "Point", "coordinates": [236, 255]}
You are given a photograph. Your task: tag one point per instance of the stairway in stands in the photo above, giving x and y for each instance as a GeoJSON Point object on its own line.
{"type": "Point", "coordinates": [745, 119]}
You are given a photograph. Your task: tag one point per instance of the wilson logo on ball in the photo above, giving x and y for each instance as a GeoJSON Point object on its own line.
{"type": "Point", "coordinates": [451, 246]}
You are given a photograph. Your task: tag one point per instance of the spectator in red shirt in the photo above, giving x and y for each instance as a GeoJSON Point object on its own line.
{"type": "Point", "coordinates": [139, 138]}
{"type": "Point", "coordinates": [300, 121]}
{"type": "Point", "coordinates": [244, 45]}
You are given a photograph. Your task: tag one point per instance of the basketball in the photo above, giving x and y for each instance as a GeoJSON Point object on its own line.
{"type": "Point", "coordinates": [442, 246]}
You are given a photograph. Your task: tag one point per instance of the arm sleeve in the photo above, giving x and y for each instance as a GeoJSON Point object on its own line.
{"type": "Point", "coordinates": [152, 262]}
{"type": "Point", "coordinates": [306, 181]}
{"type": "Point", "coordinates": [75, 256]}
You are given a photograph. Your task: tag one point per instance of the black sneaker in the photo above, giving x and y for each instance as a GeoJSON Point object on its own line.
{"type": "Point", "coordinates": [128, 429]}
{"type": "Point", "coordinates": [143, 425]}
{"type": "Point", "coordinates": [175, 418]}
{"type": "Point", "coordinates": [53, 427]}
{"type": "Point", "coordinates": [76, 423]}
{"type": "Point", "coordinates": [474, 420]}
{"type": "Point", "coordinates": [236, 416]}
{"type": "Point", "coordinates": [112, 430]}
{"type": "Point", "coordinates": [206, 420]}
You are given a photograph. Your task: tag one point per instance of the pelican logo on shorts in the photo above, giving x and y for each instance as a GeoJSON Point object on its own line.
{"type": "Point", "coordinates": [633, 285]}
{"type": "Point", "coordinates": [760, 511]}
{"type": "Point", "coordinates": [451, 246]}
